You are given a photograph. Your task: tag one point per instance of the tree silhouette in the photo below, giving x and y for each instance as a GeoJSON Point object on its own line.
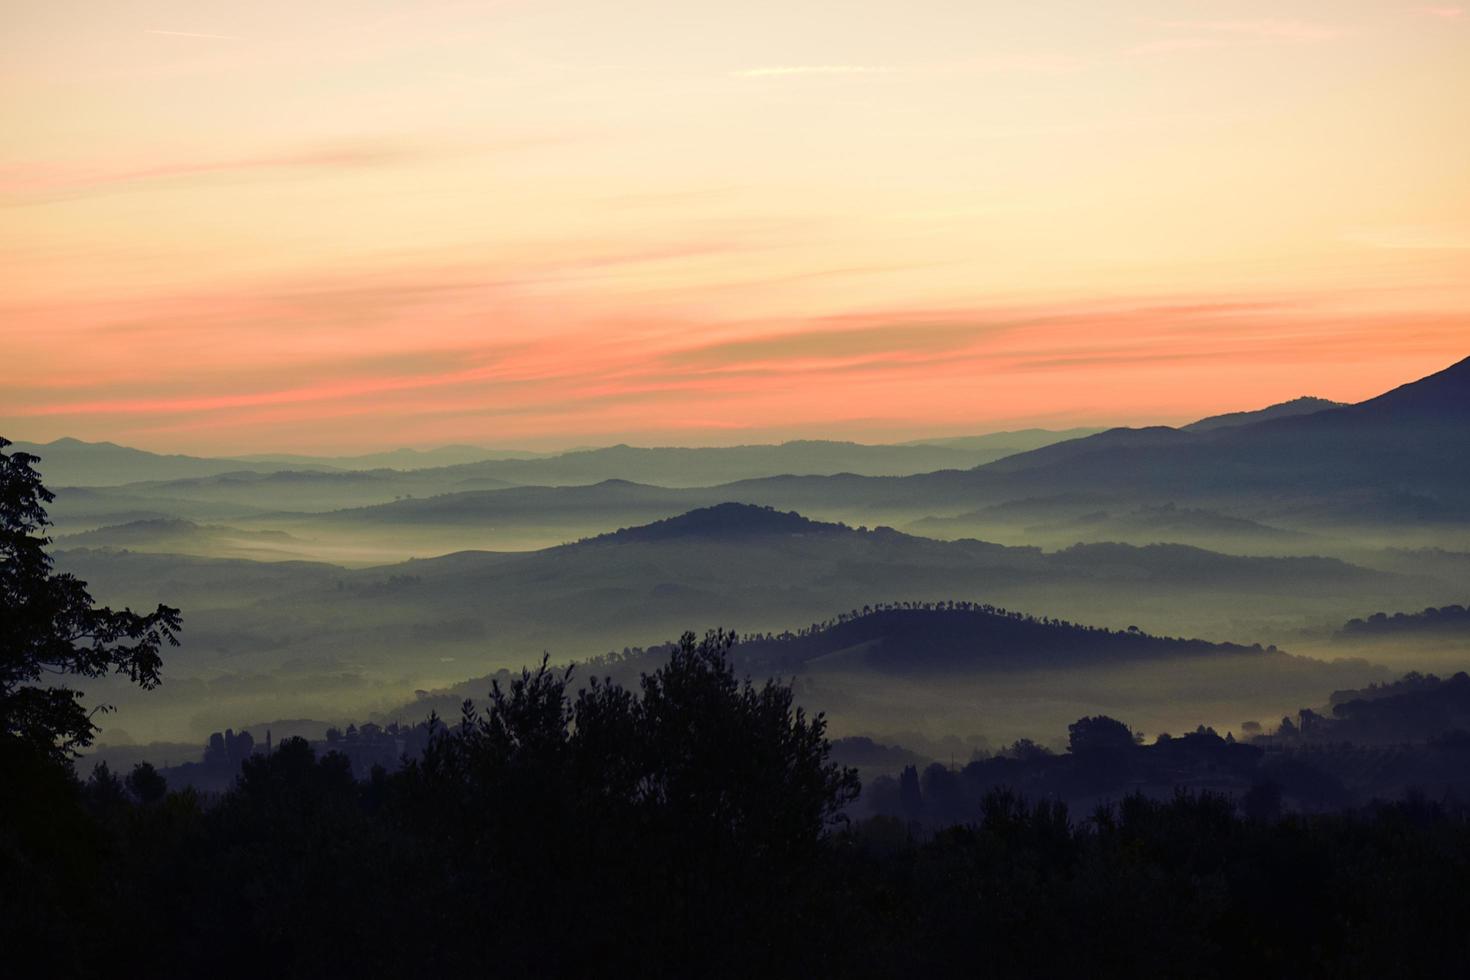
{"type": "Point", "coordinates": [146, 783]}
{"type": "Point", "coordinates": [1098, 735]}
{"type": "Point", "coordinates": [49, 624]}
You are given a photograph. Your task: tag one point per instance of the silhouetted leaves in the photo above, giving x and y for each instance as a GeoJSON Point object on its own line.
{"type": "Point", "coordinates": [49, 625]}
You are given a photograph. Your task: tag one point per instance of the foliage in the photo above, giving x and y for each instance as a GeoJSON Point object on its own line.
{"type": "Point", "coordinates": [49, 625]}
{"type": "Point", "coordinates": [1452, 620]}
{"type": "Point", "coordinates": [697, 787]}
{"type": "Point", "coordinates": [302, 872]}
{"type": "Point", "coordinates": [1098, 735]}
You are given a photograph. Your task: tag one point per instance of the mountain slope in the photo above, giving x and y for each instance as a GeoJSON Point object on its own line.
{"type": "Point", "coordinates": [963, 637]}
{"type": "Point", "coordinates": [727, 521]}
{"type": "Point", "coordinates": [74, 463]}
{"type": "Point", "coordinates": [1305, 405]}
{"type": "Point", "coordinates": [1017, 441]}
{"type": "Point", "coordinates": [1404, 455]}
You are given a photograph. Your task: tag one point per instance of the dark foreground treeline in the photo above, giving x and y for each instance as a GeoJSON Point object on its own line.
{"type": "Point", "coordinates": [691, 829]}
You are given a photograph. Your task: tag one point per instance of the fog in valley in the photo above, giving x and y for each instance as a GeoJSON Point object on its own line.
{"type": "Point", "coordinates": [700, 491]}
{"type": "Point", "coordinates": [323, 592]}
{"type": "Point", "coordinates": [1231, 652]}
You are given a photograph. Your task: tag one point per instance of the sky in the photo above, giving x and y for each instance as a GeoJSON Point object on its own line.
{"type": "Point", "coordinates": [341, 225]}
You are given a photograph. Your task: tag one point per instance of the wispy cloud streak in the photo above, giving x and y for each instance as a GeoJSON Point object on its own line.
{"type": "Point", "coordinates": [777, 71]}
{"type": "Point", "coordinates": [212, 37]}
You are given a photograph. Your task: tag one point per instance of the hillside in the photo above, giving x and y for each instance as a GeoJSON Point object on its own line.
{"type": "Point", "coordinates": [393, 459]}
{"type": "Point", "coordinates": [1400, 461]}
{"type": "Point", "coordinates": [176, 536]}
{"type": "Point", "coordinates": [671, 466]}
{"type": "Point", "coordinates": [269, 639]}
{"type": "Point", "coordinates": [1414, 709]}
{"type": "Point", "coordinates": [963, 637]}
{"type": "Point", "coordinates": [1305, 405]}
{"type": "Point", "coordinates": [1079, 518]}
{"type": "Point", "coordinates": [727, 521]}
{"type": "Point", "coordinates": [289, 488]}
{"type": "Point", "coordinates": [1401, 457]}
{"type": "Point", "coordinates": [1450, 622]}
{"type": "Point", "coordinates": [744, 566]}
{"type": "Point", "coordinates": [1397, 462]}
{"type": "Point", "coordinates": [1018, 441]}
{"type": "Point", "coordinates": [71, 462]}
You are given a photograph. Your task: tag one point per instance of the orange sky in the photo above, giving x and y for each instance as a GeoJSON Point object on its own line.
{"type": "Point", "coordinates": [352, 223]}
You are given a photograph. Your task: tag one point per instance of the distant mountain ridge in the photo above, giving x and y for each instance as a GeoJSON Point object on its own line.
{"type": "Point", "coordinates": [1399, 460]}
{"type": "Point", "coordinates": [1305, 405]}
{"type": "Point", "coordinates": [1402, 455]}
{"type": "Point", "coordinates": [395, 459]}
{"type": "Point", "coordinates": [1017, 440]}
{"type": "Point", "coordinates": [71, 462]}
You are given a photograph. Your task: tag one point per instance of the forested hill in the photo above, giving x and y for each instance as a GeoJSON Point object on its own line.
{"type": "Point", "coordinates": [1433, 622]}
{"type": "Point", "coordinates": [1415, 709]}
{"type": "Point", "coordinates": [940, 637]}
{"type": "Point", "coordinates": [727, 520]}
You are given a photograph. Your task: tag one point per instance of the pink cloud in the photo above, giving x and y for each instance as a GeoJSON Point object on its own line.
{"type": "Point", "coordinates": [1202, 34]}
{"type": "Point", "coordinates": [1263, 29]}
{"type": "Point", "coordinates": [42, 181]}
{"type": "Point", "coordinates": [438, 357]}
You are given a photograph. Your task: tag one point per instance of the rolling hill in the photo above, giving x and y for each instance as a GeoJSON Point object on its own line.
{"type": "Point", "coordinates": [1066, 519]}
{"type": "Point", "coordinates": [961, 637]}
{"type": "Point", "coordinates": [71, 462]}
{"type": "Point", "coordinates": [288, 637]}
{"type": "Point", "coordinates": [739, 565]}
{"type": "Point", "coordinates": [132, 485]}
{"type": "Point", "coordinates": [181, 537]}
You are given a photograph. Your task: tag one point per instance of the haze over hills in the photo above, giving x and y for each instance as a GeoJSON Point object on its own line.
{"type": "Point", "coordinates": [312, 633]}
{"type": "Point", "coordinates": [180, 537]}
{"type": "Point", "coordinates": [393, 459]}
{"type": "Point", "coordinates": [74, 463]}
{"type": "Point", "coordinates": [1407, 444]}
{"type": "Point", "coordinates": [1019, 440]}
{"type": "Point", "coordinates": [1066, 519]}
{"type": "Point", "coordinates": [71, 462]}
{"type": "Point", "coordinates": [969, 663]}
{"type": "Point", "coordinates": [1398, 461]}
{"type": "Point", "coordinates": [726, 490]}
{"type": "Point", "coordinates": [1385, 472]}
{"type": "Point", "coordinates": [655, 560]}
{"type": "Point", "coordinates": [125, 485]}
{"type": "Point", "coordinates": [1394, 462]}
